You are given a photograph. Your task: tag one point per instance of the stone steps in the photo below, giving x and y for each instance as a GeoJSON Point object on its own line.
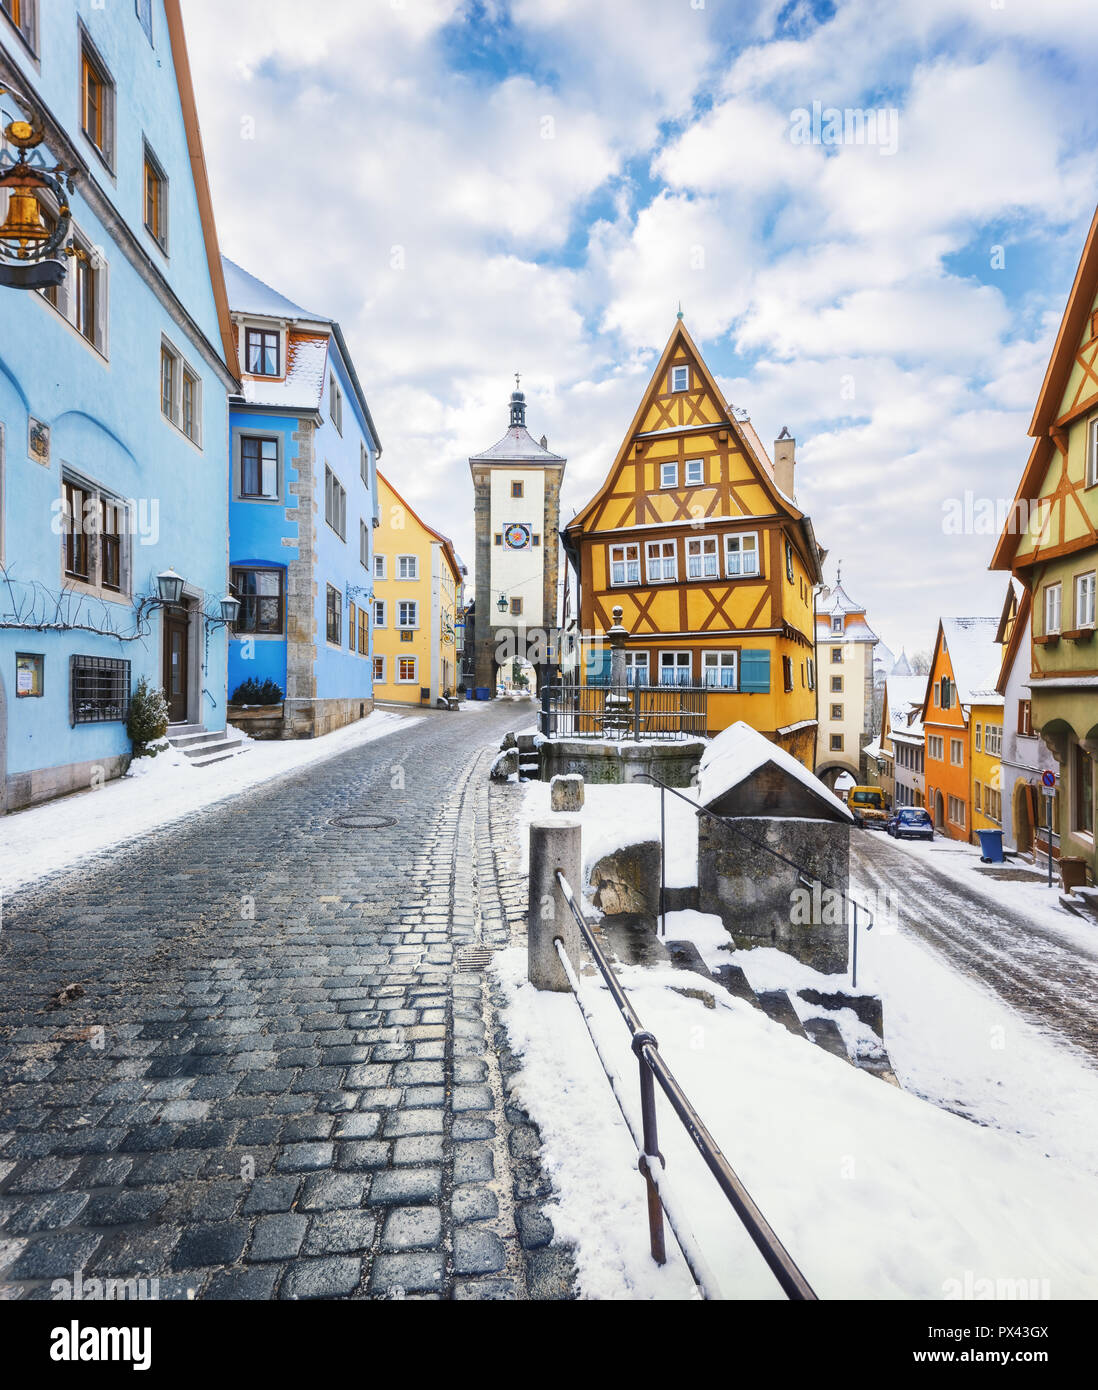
{"type": "Point", "coordinates": [203, 748]}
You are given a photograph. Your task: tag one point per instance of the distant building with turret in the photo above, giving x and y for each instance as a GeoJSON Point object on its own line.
{"type": "Point", "coordinates": [845, 647]}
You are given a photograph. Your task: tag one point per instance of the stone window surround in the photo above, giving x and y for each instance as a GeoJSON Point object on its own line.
{"type": "Point", "coordinates": [240, 432]}
{"type": "Point", "coordinates": [265, 636]}
{"type": "Point", "coordinates": [176, 418]}
{"type": "Point", "coordinates": [407, 680]}
{"type": "Point", "coordinates": [87, 48]}
{"type": "Point", "coordinates": [123, 594]}
{"type": "Point", "coordinates": [279, 326]}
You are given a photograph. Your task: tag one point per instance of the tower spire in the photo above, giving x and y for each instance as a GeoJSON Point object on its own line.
{"type": "Point", "coordinates": [518, 405]}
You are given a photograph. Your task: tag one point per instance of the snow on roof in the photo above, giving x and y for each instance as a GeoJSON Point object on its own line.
{"type": "Point", "coordinates": [975, 657]}
{"type": "Point", "coordinates": [517, 446]}
{"type": "Point", "coordinates": [905, 703]}
{"type": "Point", "coordinates": [739, 751]}
{"type": "Point", "coordinates": [250, 295]}
{"type": "Point", "coordinates": [902, 666]}
{"type": "Point", "coordinates": [306, 372]}
{"type": "Point", "coordinates": [837, 600]}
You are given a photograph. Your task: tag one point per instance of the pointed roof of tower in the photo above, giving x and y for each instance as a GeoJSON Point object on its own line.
{"type": "Point", "coordinates": [518, 445]}
{"type": "Point", "coordinates": [902, 666]}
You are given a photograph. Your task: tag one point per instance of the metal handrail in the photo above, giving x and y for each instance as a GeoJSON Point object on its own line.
{"type": "Point", "coordinates": [758, 844]}
{"type": "Point", "coordinates": [652, 1065]}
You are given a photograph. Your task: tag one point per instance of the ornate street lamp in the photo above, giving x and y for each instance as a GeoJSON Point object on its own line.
{"type": "Point", "coordinates": [169, 586]}
{"type": "Point", "coordinates": [502, 603]}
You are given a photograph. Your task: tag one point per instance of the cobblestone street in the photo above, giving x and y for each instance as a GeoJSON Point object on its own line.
{"type": "Point", "coordinates": [282, 1079]}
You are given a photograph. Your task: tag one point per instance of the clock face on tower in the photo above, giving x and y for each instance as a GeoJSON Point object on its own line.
{"type": "Point", "coordinates": [517, 535]}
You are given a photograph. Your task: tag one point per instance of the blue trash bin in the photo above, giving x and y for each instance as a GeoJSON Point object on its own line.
{"type": "Point", "coordinates": [482, 692]}
{"type": "Point", "coordinates": [991, 846]}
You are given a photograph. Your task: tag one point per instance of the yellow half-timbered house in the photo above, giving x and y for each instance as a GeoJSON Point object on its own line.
{"type": "Point", "coordinates": [696, 535]}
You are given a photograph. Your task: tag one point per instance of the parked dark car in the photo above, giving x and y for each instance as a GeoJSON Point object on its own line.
{"type": "Point", "coordinates": [911, 823]}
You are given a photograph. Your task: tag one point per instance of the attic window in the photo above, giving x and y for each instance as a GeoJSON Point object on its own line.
{"type": "Point", "coordinates": [680, 378]}
{"type": "Point", "coordinates": [261, 352]}
{"type": "Point", "coordinates": [836, 624]}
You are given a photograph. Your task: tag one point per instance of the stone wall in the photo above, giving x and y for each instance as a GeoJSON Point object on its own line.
{"type": "Point", "coordinates": [25, 789]}
{"type": "Point", "coordinates": [615, 763]}
{"type": "Point", "coordinates": [762, 901]}
{"type": "Point", "coordinates": [314, 718]}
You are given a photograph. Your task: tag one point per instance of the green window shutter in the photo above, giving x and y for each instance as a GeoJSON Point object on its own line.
{"type": "Point", "coordinates": [598, 665]}
{"type": "Point", "coordinates": [755, 673]}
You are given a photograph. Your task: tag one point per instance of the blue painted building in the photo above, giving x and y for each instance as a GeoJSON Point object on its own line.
{"type": "Point", "coordinates": [303, 505]}
{"type": "Point", "coordinates": [113, 403]}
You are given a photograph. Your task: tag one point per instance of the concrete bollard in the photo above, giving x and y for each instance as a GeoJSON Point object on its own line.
{"type": "Point", "coordinates": [554, 844]}
{"type": "Point", "coordinates": [566, 792]}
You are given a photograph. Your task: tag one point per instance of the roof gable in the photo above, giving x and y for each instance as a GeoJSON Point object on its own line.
{"type": "Point", "coordinates": [743, 774]}
{"type": "Point", "coordinates": [663, 411]}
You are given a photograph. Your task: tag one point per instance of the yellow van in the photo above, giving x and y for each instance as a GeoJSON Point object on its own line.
{"type": "Point", "coordinates": [869, 806]}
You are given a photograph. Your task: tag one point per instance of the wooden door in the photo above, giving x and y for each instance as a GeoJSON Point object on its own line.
{"type": "Point", "coordinates": [176, 666]}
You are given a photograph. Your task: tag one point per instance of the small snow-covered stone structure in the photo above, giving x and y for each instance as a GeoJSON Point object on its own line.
{"type": "Point", "coordinates": [774, 803]}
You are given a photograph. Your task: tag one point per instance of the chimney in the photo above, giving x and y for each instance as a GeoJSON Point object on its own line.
{"type": "Point", "coordinates": [785, 447]}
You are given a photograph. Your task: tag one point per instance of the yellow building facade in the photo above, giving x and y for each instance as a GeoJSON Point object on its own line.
{"type": "Point", "coordinates": [986, 731]}
{"type": "Point", "coordinates": [417, 598]}
{"type": "Point", "coordinates": [696, 536]}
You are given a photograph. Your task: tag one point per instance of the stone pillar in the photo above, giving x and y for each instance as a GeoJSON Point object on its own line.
{"type": "Point", "coordinates": [555, 843]}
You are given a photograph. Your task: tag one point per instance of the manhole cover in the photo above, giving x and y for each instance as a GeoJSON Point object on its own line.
{"type": "Point", "coordinates": [363, 822]}
{"type": "Point", "coordinates": [473, 958]}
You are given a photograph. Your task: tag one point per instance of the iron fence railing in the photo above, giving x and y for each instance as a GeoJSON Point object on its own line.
{"type": "Point", "coordinates": [624, 712]}
{"type": "Point", "coordinates": [806, 874]}
{"type": "Point", "coordinates": [661, 1196]}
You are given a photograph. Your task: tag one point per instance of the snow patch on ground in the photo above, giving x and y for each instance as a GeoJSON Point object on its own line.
{"type": "Point", "coordinates": [155, 792]}
{"type": "Point", "coordinates": [876, 1193]}
{"type": "Point", "coordinates": [616, 816]}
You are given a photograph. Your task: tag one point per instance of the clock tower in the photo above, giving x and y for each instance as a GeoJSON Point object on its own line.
{"type": "Point", "coordinates": [517, 489]}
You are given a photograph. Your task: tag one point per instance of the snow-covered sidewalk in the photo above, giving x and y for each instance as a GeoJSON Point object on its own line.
{"type": "Point", "coordinates": [157, 791]}
{"type": "Point", "coordinates": [876, 1193]}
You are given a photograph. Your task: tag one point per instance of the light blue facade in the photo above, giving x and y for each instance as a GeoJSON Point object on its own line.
{"type": "Point", "coordinates": [325, 683]}
{"type": "Point", "coordinates": [101, 404]}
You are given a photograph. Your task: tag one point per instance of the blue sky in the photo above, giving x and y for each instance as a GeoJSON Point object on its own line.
{"type": "Point", "coordinates": [536, 184]}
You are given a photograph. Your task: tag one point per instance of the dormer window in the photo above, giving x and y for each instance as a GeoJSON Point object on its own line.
{"type": "Point", "coordinates": [836, 624]}
{"type": "Point", "coordinates": [261, 352]}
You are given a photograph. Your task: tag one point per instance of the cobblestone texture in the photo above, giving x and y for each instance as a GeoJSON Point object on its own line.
{"type": "Point", "coordinates": [276, 1085]}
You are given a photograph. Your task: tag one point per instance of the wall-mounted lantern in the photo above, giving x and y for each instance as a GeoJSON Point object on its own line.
{"type": "Point", "coordinates": [28, 244]}
{"type": "Point", "coordinates": [169, 586]}
{"type": "Point", "coordinates": [502, 604]}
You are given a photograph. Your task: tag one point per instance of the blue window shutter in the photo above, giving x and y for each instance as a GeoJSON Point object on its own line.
{"type": "Point", "coordinates": [598, 666]}
{"type": "Point", "coordinates": [755, 673]}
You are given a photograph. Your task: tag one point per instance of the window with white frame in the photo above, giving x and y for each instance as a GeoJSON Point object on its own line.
{"type": "Point", "coordinates": [701, 558]}
{"type": "Point", "coordinates": [82, 297]}
{"type": "Point", "coordinates": [1092, 451]}
{"type": "Point", "coordinates": [812, 674]}
{"type": "Point", "coordinates": [1084, 600]}
{"type": "Point", "coordinates": [993, 740]}
{"type": "Point", "coordinates": [407, 670]}
{"type": "Point", "coordinates": [1053, 606]}
{"type": "Point", "coordinates": [379, 670]}
{"type": "Point", "coordinates": [96, 533]}
{"type": "Point", "coordinates": [335, 403]}
{"type": "Point", "coordinates": [408, 614]}
{"type": "Point", "coordinates": [669, 475]}
{"type": "Point", "coordinates": [636, 668]}
{"type": "Point", "coordinates": [741, 554]}
{"type": "Point", "coordinates": [675, 668]}
{"type": "Point", "coordinates": [379, 613]}
{"type": "Point", "coordinates": [935, 747]}
{"type": "Point", "coordinates": [720, 670]}
{"type": "Point", "coordinates": [335, 503]}
{"type": "Point", "coordinates": [956, 752]}
{"type": "Point", "coordinates": [695, 472]}
{"type": "Point", "coordinates": [625, 565]}
{"type": "Point", "coordinates": [379, 566]}
{"type": "Point", "coordinates": [258, 468]}
{"type": "Point", "coordinates": [680, 378]}
{"type": "Point", "coordinates": [956, 810]}
{"type": "Point", "coordinates": [662, 561]}
{"type": "Point", "coordinates": [180, 393]}
{"type": "Point", "coordinates": [364, 464]}
{"type": "Point", "coordinates": [363, 544]}
{"type": "Point", "coordinates": [262, 351]}
{"type": "Point", "coordinates": [837, 623]}
{"type": "Point", "coordinates": [407, 567]}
